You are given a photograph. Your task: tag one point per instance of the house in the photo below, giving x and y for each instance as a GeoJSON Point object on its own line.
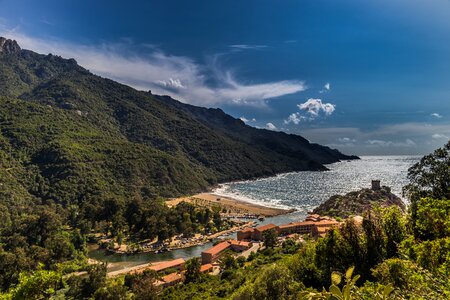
{"type": "Point", "coordinates": [212, 254]}
{"type": "Point", "coordinates": [324, 226]}
{"type": "Point", "coordinates": [172, 279]}
{"type": "Point", "coordinates": [314, 225]}
{"type": "Point", "coordinates": [305, 227]}
{"type": "Point", "coordinates": [206, 268]}
{"type": "Point", "coordinates": [176, 264]}
{"type": "Point", "coordinates": [245, 234]}
{"type": "Point", "coordinates": [258, 232]}
{"type": "Point", "coordinates": [239, 246]}
{"type": "Point", "coordinates": [313, 217]}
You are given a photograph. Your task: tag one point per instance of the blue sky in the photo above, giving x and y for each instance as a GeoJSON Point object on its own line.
{"type": "Point", "coordinates": [363, 76]}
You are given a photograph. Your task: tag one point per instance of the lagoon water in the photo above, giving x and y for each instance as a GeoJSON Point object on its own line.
{"type": "Point", "coordinates": [300, 190]}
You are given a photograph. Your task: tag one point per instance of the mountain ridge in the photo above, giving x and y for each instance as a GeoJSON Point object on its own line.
{"type": "Point", "coordinates": [191, 148]}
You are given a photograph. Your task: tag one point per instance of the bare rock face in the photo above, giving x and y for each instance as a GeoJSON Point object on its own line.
{"type": "Point", "coordinates": [8, 46]}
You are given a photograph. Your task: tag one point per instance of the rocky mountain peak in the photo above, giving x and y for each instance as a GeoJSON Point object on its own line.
{"type": "Point", "coordinates": [8, 46]}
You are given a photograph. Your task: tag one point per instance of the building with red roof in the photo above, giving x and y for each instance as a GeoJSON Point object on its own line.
{"type": "Point", "coordinates": [259, 231]}
{"type": "Point", "coordinates": [245, 234]}
{"type": "Point", "coordinates": [206, 268]}
{"type": "Point", "coordinates": [212, 254]}
{"type": "Point", "coordinates": [176, 263]}
{"type": "Point", "coordinates": [172, 279]}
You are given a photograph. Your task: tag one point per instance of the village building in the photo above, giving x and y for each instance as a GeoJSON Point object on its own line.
{"type": "Point", "coordinates": [172, 264]}
{"type": "Point", "coordinates": [314, 224]}
{"type": "Point", "coordinates": [206, 268]}
{"type": "Point", "coordinates": [245, 234]}
{"type": "Point", "coordinates": [258, 232]}
{"type": "Point", "coordinates": [171, 279]}
{"type": "Point", "coordinates": [305, 227]}
{"type": "Point", "coordinates": [239, 246]}
{"type": "Point", "coordinates": [212, 254]}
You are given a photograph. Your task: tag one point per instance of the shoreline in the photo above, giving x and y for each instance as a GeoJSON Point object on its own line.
{"type": "Point", "coordinates": [231, 207]}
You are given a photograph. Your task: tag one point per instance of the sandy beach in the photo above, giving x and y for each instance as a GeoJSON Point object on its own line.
{"type": "Point", "coordinates": [234, 208]}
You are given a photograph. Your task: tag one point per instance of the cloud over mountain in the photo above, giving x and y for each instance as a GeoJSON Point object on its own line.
{"type": "Point", "coordinates": [310, 110]}
{"type": "Point", "coordinates": [178, 76]}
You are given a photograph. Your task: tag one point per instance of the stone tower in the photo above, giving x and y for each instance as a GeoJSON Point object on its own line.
{"type": "Point", "coordinates": [376, 185]}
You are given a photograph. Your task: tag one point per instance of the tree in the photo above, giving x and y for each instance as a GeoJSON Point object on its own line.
{"type": "Point", "coordinates": [192, 269]}
{"type": "Point", "coordinates": [430, 177]}
{"type": "Point", "coordinates": [394, 229]}
{"type": "Point", "coordinates": [228, 262]}
{"type": "Point", "coordinates": [333, 253]}
{"type": "Point", "coordinates": [351, 233]}
{"type": "Point", "coordinates": [270, 238]}
{"type": "Point", "coordinates": [240, 261]}
{"type": "Point", "coordinates": [96, 279]}
{"type": "Point", "coordinates": [375, 242]}
{"type": "Point", "coordinates": [432, 219]}
{"type": "Point", "coordinates": [274, 283]}
{"type": "Point", "coordinates": [143, 285]}
{"type": "Point", "coordinates": [348, 292]}
{"type": "Point", "coordinates": [39, 285]}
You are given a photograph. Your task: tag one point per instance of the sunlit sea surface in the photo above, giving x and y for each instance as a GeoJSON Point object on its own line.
{"type": "Point", "coordinates": [306, 190]}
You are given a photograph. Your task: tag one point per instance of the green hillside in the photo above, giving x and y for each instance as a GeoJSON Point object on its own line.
{"type": "Point", "coordinates": [86, 136]}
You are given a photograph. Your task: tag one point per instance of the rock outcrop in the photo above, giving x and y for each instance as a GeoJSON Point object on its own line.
{"type": "Point", "coordinates": [356, 203]}
{"type": "Point", "coordinates": [8, 46]}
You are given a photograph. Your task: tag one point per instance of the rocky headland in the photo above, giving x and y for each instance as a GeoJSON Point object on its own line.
{"type": "Point", "coordinates": [357, 202]}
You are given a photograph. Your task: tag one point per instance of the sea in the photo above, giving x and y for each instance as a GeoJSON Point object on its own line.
{"type": "Point", "coordinates": [302, 191]}
{"type": "Point", "coordinates": [306, 190]}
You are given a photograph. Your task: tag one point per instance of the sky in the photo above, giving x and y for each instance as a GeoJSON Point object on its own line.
{"type": "Point", "coordinates": [367, 77]}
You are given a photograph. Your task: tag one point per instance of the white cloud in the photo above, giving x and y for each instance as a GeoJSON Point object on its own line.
{"type": "Point", "coordinates": [326, 88]}
{"type": "Point", "coordinates": [438, 136]}
{"type": "Point", "coordinates": [176, 76]}
{"type": "Point", "coordinates": [311, 110]}
{"type": "Point", "coordinates": [295, 118]}
{"type": "Point", "coordinates": [382, 143]}
{"type": "Point", "coordinates": [270, 126]}
{"type": "Point", "coordinates": [247, 47]}
{"type": "Point", "coordinates": [436, 115]}
{"type": "Point", "coordinates": [172, 83]}
{"type": "Point", "coordinates": [315, 106]}
{"type": "Point", "coordinates": [346, 140]}
{"type": "Point", "coordinates": [245, 120]}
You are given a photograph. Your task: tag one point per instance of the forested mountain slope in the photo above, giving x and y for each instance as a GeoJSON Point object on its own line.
{"type": "Point", "coordinates": [82, 136]}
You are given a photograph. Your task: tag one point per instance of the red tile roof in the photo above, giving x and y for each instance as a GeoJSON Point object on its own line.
{"type": "Point", "coordinates": [206, 267]}
{"type": "Point", "coordinates": [248, 229]}
{"type": "Point", "coordinates": [266, 227]}
{"type": "Point", "coordinates": [172, 277]}
{"type": "Point", "coordinates": [217, 248]}
{"type": "Point", "coordinates": [327, 222]}
{"type": "Point", "coordinates": [167, 265]}
{"type": "Point", "coordinates": [239, 243]}
{"type": "Point", "coordinates": [294, 224]}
